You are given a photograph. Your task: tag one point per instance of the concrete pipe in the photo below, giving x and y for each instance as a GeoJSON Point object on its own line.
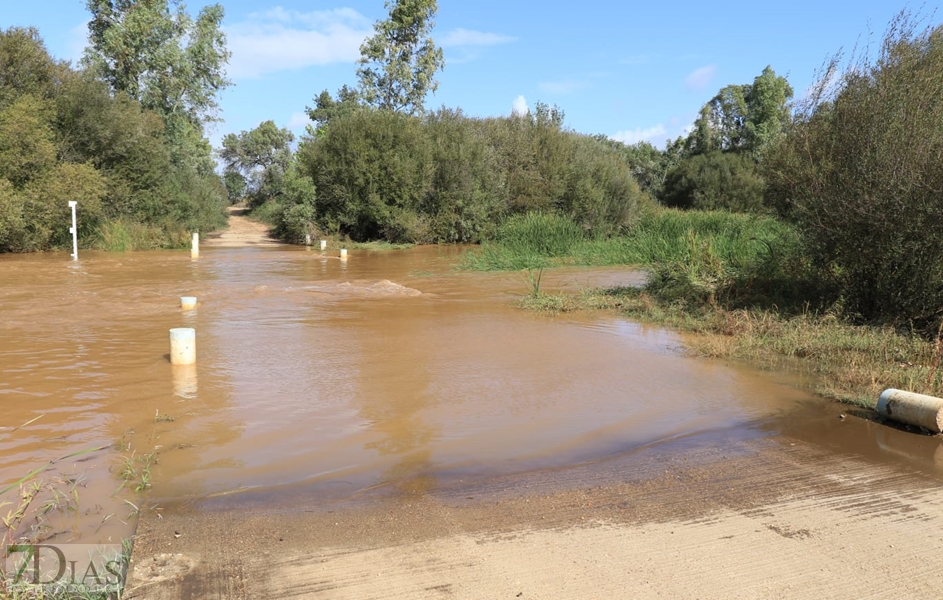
{"type": "Point", "coordinates": [183, 346]}
{"type": "Point", "coordinates": [912, 409]}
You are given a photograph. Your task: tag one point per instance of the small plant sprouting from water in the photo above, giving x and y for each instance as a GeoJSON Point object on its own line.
{"type": "Point", "coordinates": [27, 517]}
{"type": "Point", "coordinates": [162, 418]}
{"type": "Point", "coordinates": [136, 470]}
{"type": "Point", "coordinates": [533, 278]}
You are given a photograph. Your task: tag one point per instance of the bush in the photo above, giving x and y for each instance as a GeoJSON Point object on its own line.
{"type": "Point", "coordinates": [861, 173]}
{"type": "Point", "coordinates": [715, 181]}
{"type": "Point", "coordinates": [367, 168]}
{"type": "Point", "coordinates": [450, 178]}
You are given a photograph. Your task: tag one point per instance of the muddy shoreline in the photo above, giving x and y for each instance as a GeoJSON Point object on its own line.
{"type": "Point", "coordinates": [717, 519]}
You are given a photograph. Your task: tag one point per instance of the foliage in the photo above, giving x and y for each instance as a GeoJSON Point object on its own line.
{"type": "Point", "coordinates": [371, 170]}
{"type": "Point", "coordinates": [745, 118]}
{"type": "Point", "coordinates": [162, 58]}
{"type": "Point", "coordinates": [450, 178]}
{"type": "Point", "coordinates": [861, 174]}
{"type": "Point", "coordinates": [398, 64]}
{"type": "Point", "coordinates": [660, 237]}
{"type": "Point", "coordinates": [258, 156]}
{"type": "Point", "coordinates": [327, 109]}
{"type": "Point", "coordinates": [715, 181]}
{"type": "Point", "coordinates": [26, 67]}
{"type": "Point", "coordinates": [65, 136]}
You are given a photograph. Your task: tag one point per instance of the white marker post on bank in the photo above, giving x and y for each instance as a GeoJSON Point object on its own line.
{"type": "Point", "coordinates": [74, 231]}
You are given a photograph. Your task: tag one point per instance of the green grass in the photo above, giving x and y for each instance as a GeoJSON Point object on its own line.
{"type": "Point", "coordinates": [125, 236]}
{"type": "Point", "coordinates": [742, 283]}
{"type": "Point", "coordinates": [534, 241]}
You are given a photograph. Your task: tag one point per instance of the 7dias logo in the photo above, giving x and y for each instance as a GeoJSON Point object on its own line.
{"type": "Point", "coordinates": [96, 568]}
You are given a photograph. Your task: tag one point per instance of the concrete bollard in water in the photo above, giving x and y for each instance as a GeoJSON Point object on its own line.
{"type": "Point", "coordinates": [343, 253]}
{"type": "Point", "coordinates": [195, 245]}
{"type": "Point", "coordinates": [307, 239]}
{"type": "Point", "coordinates": [912, 409]}
{"type": "Point", "coordinates": [187, 302]}
{"type": "Point", "coordinates": [183, 346]}
{"type": "Point", "coordinates": [323, 244]}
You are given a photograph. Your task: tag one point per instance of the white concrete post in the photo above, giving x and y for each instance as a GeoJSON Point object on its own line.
{"type": "Point", "coordinates": [323, 244]}
{"type": "Point", "coordinates": [183, 346]}
{"type": "Point", "coordinates": [195, 245]}
{"type": "Point", "coordinates": [343, 253]}
{"type": "Point", "coordinates": [187, 302]}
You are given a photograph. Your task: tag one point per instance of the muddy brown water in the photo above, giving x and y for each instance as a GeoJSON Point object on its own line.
{"type": "Point", "coordinates": [391, 370]}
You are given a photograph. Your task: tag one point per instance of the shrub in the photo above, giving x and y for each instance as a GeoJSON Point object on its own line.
{"type": "Point", "coordinates": [715, 181]}
{"type": "Point", "coordinates": [861, 173]}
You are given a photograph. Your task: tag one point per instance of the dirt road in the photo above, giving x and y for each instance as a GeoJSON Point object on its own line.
{"type": "Point", "coordinates": [242, 232]}
{"type": "Point", "coordinates": [773, 518]}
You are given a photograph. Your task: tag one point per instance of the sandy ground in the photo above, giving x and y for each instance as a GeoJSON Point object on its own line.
{"type": "Point", "coordinates": [242, 232]}
{"type": "Point", "coordinates": [773, 518]}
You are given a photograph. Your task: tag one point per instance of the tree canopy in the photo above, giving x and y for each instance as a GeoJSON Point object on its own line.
{"type": "Point", "coordinates": [744, 118]}
{"type": "Point", "coordinates": [153, 51]}
{"type": "Point", "coordinates": [398, 64]}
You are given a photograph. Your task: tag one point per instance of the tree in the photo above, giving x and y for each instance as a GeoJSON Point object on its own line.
{"type": "Point", "coordinates": [861, 173]}
{"type": "Point", "coordinates": [327, 109]}
{"type": "Point", "coordinates": [260, 155]}
{"type": "Point", "coordinates": [398, 64]}
{"type": "Point", "coordinates": [159, 57]}
{"type": "Point", "coordinates": [26, 67]}
{"type": "Point", "coordinates": [743, 118]}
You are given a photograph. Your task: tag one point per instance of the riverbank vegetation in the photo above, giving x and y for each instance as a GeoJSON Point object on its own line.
{"type": "Point", "coordinates": [834, 263]}
{"type": "Point", "coordinates": [123, 138]}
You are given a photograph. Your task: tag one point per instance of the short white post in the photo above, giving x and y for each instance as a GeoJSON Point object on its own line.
{"type": "Point", "coordinates": [195, 245]}
{"type": "Point", "coordinates": [323, 244]}
{"type": "Point", "coordinates": [343, 253]}
{"type": "Point", "coordinates": [74, 231]}
{"type": "Point", "coordinates": [183, 346]}
{"type": "Point", "coordinates": [307, 239]}
{"type": "Point", "coordinates": [187, 302]}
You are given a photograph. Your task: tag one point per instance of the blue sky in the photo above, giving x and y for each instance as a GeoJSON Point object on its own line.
{"type": "Point", "coordinates": [629, 70]}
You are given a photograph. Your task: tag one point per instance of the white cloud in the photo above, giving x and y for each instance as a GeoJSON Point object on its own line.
{"type": "Point", "coordinates": [633, 136]}
{"type": "Point", "coordinates": [281, 40]}
{"type": "Point", "coordinates": [700, 78]}
{"type": "Point", "coordinates": [520, 107]}
{"type": "Point", "coordinates": [561, 87]}
{"type": "Point", "coordinates": [470, 37]}
{"type": "Point", "coordinates": [298, 120]}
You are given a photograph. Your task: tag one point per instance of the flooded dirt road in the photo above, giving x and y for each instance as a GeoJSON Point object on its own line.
{"type": "Point", "coordinates": [383, 381]}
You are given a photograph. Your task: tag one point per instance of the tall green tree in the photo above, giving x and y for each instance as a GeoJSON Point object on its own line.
{"type": "Point", "coordinates": [398, 64]}
{"type": "Point", "coordinates": [261, 156]}
{"type": "Point", "coordinates": [744, 118]}
{"type": "Point", "coordinates": [153, 51]}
